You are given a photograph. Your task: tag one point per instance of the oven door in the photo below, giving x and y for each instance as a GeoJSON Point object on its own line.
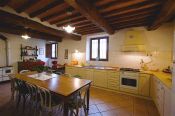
{"type": "Point", "coordinates": [7, 71]}
{"type": "Point", "coordinates": [129, 82]}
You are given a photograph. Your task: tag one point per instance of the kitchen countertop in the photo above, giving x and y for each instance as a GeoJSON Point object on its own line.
{"type": "Point", "coordinates": [5, 66]}
{"type": "Point", "coordinates": [165, 78]}
{"type": "Point", "coordinates": [98, 67]}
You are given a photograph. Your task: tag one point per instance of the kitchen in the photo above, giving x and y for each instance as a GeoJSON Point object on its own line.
{"type": "Point", "coordinates": [126, 50]}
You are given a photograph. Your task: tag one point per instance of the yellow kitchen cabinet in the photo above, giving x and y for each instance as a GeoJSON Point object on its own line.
{"type": "Point", "coordinates": [71, 70]}
{"type": "Point", "coordinates": [113, 80]}
{"type": "Point", "coordinates": [167, 102]}
{"type": "Point", "coordinates": [89, 74]}
{"type": "Point", "coordinates": [82, 73]}
{"type": "Point", "coordinates": [100, 78]}
{"type": "Point", "coordinates": [144, 85]}
{"type": "Point", "coordinates": [161, 96]}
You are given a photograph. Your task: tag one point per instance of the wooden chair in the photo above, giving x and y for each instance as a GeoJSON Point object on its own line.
{"type": "Point", "coordinates": [79, 100]}
{"type": "Point", "coordinates": [48, 102]}
{"type": "Point", "coordinates": [14, 89]}
{"type": "Point", "coordinates": [23, 92]}
{"type": "Point", "coordinates": [33, 91]}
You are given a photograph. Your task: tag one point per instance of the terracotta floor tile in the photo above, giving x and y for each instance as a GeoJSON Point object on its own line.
{"type": "Point", "coordinates": [103, 107]}
{"type": "Point", "coordinates": [102, 103]}
{"type": "Point", "coordinates": [93, 109]}
{"type": "Point", "coordinates": [110, 113]}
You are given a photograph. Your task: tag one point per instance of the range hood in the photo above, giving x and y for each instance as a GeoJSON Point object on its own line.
{"type": "Point", "coordinates": [134, 41]}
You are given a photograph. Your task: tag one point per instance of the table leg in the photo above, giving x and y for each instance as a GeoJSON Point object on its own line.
{"type": "Point", "coordinates": [88, 96]}
{"type": "Point", "coordinates": [66, 110]}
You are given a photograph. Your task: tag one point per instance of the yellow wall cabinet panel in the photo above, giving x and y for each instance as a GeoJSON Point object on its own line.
{"type": "Point", "coordinates": [144, 85]}
{"type": "Point", "coordinates": [167, 102]}
{"type": "Point", "coordinates": [100, 78]}
{"type": "Point", "coordinates": [89, 75]}
{"type": "Point", "coordinates": [71, 70]}
{"type": "Point", "coordinates": [113, 80]}
{"type": "Point", "coordinates": [161, 96]}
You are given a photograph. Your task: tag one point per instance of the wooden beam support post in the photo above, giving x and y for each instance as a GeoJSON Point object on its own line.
{"type": "Point", "coordinates": [21, 21]}
{"type": "Point", "coordinates": [91, 13]}
{"type": "Point", "coordinates": [34, 34]}
{"type": "Point", "coordinates": [166, 13]}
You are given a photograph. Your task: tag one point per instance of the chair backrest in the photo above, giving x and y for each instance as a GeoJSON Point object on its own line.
{"type": "Point", "coordinates": [21, 85]}
{"type": "Point", "coordinates": [33, 90]}
{"type": "Point", "coordinates": [45, 97]}
{"type": "Point", "coordinates": [66, 75]}
{"type": "Point", "coordinates": [83, 92]}
{"type": "Point", "coordinates": [24, 71]}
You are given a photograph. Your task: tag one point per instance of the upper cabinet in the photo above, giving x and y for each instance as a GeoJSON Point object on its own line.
{"type": "Point", "coordinates": [134, 41]}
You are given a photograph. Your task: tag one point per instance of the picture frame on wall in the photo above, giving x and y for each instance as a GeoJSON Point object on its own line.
{"type": "Point", "coordinates": [41, 51]}
{"type": "Point", "coordinates": [66, 54]}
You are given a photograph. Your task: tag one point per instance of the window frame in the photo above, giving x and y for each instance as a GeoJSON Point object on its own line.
{"type": "Point", "coordinates": [56, 51]}
{"type": "Point", "coordinates": [49, 53]}
{"type": "Point", "coordinates": [98, 55]}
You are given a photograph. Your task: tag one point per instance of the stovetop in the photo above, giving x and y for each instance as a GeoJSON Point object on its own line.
{"type": "Point", "coordinates": [130, 69]}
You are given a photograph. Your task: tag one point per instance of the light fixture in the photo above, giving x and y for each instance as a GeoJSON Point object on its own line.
{"type": "Point", "coordinates": [25, 36]}
{"type": "Point", "coordinates": [68, 28]}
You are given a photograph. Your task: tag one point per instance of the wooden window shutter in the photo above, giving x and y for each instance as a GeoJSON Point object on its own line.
{"type": "Point", "coordinates": [48, 50]}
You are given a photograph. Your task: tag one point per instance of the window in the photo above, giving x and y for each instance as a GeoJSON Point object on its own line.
{"type": "Point", "coordinates": [52, 50]}
{"type": "Point", "coordinates": [99, 48]}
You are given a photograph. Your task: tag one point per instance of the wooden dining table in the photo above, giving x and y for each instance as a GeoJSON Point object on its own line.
{"type": "Point", "coordinates": [60, 85]}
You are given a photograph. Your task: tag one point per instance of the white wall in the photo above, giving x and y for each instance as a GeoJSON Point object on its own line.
{"type": "Point", "coordinates": [14, 43]}
{"type": "Point", "coordinates": [173, 78]}
{"type": "Point", "coordinates": [159, 40]}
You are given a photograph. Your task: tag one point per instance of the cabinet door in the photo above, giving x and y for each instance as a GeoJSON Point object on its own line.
{"type": "Point", "coordinates": [100, 78]}
{"type": "Point", "coordinates": [89, 74]}
{"type": "Point", "coordinates": [82, 73]}
{"type": "Point", "coordinates": [167, 102]}
{"type": "Point", "coordinates": [72, 70]}
{"type": "Point", "coordinates": [113, 80]}
{"type": "Point", "coordinates": [144, 85]}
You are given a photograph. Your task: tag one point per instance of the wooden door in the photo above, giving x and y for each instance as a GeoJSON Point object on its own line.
{"type": "Point", "coordinates": [100, 78]}
{"type": "Point", "coordinates": [144, 85]}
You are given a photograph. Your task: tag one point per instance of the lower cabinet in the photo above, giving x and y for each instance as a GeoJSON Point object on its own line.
{"type": "Point", "coordinates": [113, 80]}
{"type": "Point", "coordinates": [161, 96]}
{"type": "Point", "coordinates": [144, 85]}
{"type": "Point", "coordinates": [100, 78]}
{"type": "Point", "coordinates": [71, 70]}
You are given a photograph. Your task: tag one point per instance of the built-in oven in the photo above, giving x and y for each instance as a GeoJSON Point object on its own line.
{"type": "Point", "coordinates": [7, 71]}
{"type": "Point", "coordinates": [129, 80]}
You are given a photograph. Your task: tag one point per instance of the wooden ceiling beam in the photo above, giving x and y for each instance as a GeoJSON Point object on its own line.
{"type": "Point", "coordinates": [3, 37]}
{"type": "Point", "coordinates": [82, 23]}
{"type": "Point", "coordinates": [118, 12]}
{"type": "Point", "coordinates": [126, 24]}
{"type": "Point", "coordinates": [139, 24]}
{"type": "Point", "coordinates": [119, 5]}
{"type": "Point", "coordinates": [166, 13]}
{"type": "Point", "coordinates": [85, 25]}
{"type": "Point", "coordinates": [34, 34]}
{"type": "Point", "coordinates": [21, 21]}
{"type": "Point", "coordinates": [87, 29]}
{"type": "Point", "coordinates": [44, 9]}
{"type": "Point", "coordinates": [4, 2]}
{"type": "Point", "coordinates": [133, 19]}
{"type": "Point", "coordinates": [91, 13]}
{"type": "Point", "coordinates": [132, 15]}
{"type": "Point", "coordinates": [90, 32]}
{"type": "Point", "coordinates": [64, 15]}
{"type": "Point", "coordinates": [26, 5]}
{"type": "Point", "coordinates": [54, 15]}
{"type": "Point", "coordinates": [71, 21]}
